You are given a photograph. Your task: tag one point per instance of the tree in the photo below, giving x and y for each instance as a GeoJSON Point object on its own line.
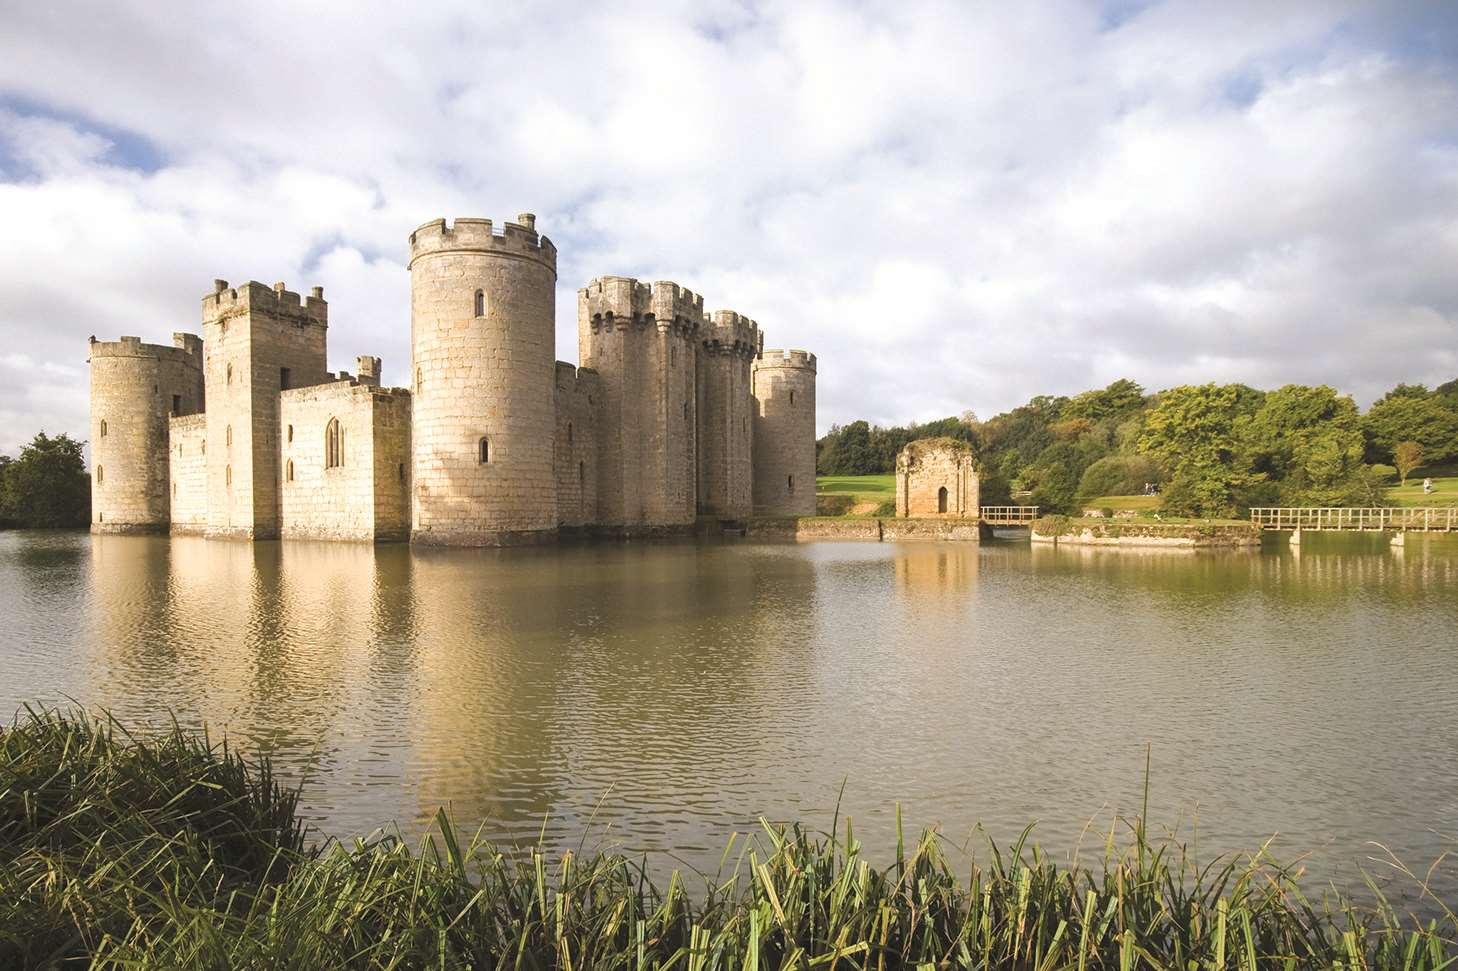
{"type": "Point", "coordinates": [1309, 440]}
{"type": "Point", "coordinates": [1191, 432]}
{"type": "Point", "coordinates": [1407, 456]}
{"type": "Point", "coordinates": [1118, 399]}
{"type": "Point", "coordinates": [47, 486]}
{"type": "Point", "coordinates": [1430, 420]}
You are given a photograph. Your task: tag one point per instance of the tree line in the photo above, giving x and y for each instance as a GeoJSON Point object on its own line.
{"type": "Point", "coordinates": [46, 486]}
{"type": "Point", "coordinates": [1211, 450]}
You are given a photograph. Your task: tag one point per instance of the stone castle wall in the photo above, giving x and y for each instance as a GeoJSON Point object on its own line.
{"type": "Point", "coordinates": [135, 388]}
{"type": "Point", "coordinates": [575, 452]}
{"type": "Point", "coordinates": [725, 416]}
{"type": "Point", "coordinates": [258, 339]}
{"type": "Point", "coordinates": [784, 433]}
{"type": "Point", "coordinates": [188, 462]}
{"type": "Point", "coordinates": [363, 495]}
{"type": "Point", "coordinates": [927, 467]}
{"type": "Point", "coordinates": [484, 363]}
{"type": "Point", "coordinates": [641, 339]}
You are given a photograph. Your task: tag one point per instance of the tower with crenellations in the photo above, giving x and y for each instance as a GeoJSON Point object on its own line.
{"type": "Point", "coordinates": [135, 389]}
{"type": "Point", "coordinates": [483, 367]}
{"type": "Point", "coordinates": [673, 416]}
{"type": "Point", "coordinates": [783, 385]}
{"type": "Point", "coordinates": [641, 340]}
{"type": "Point", "coordinates": [727, 347]}
{"type": "Point", "coordinates": [260, 341]}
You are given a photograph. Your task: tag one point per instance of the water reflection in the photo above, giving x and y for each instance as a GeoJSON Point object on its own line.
{"type": "Point", "coordinates": [670, 694]}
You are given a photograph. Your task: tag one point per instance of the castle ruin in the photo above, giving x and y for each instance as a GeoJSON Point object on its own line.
{"type": "Point", "coordinates": [676, 415]}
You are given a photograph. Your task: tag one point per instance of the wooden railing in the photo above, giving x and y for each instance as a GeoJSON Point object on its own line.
{"type": "Point", "coordinates": [1009, 515]}
{"type": "Point", "coordinates": [1358, 519]}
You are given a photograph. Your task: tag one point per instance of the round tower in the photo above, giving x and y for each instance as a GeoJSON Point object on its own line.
{"type": "Point", "coordinates": [784, 434]}
{"type": "Point", "coordinates": [482, 328]}
{"type": "Point", "coordinates": [135, 390]}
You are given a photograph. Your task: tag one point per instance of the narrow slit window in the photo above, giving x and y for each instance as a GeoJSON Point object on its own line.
{"type": "Point", "coordinates": [100, 475]}
{"type": "Point", "coordinates": [400, 470]}
{"type": "Point", "coordinates": [103, 428]}
{"type": "Point", "coordinates": [790, 482]}
{"type": "Point", "coordinates": [291, 433]}
{"type": "Point", "coordinates": [177, 404]}
{"type": "Point", "coordinates": [289, 473]}
{"type": "Point", "coordinates": [792, 399]}
{"type": "Point", "coordinates": [480, 303]}
{"type": "Point", "coordinates": [484, 451]}
{"type": "Point", "coordinates": [228, 436]}
{"type": "Point", "coordinates": [333, 444]}
{"type": "Point", "coordinates": [284, 379]}
{"type": "Point", "coordinates": [230, 374]}
{"type": "Point", "coordinates": [581, 472]}
{"type": "Point", "coordinates": [569, 433]}
{"type": "Point", "coordinates": [227, 475]}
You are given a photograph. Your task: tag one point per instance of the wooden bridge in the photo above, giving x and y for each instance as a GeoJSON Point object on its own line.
{"type": "Point", "coordinates": [1359, 519]}
{"type": "Point", "coordinates": [1009, 515]}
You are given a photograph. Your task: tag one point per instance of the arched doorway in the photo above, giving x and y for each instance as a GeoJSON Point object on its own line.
{"type": "Point", "coordinates": [942, 499]}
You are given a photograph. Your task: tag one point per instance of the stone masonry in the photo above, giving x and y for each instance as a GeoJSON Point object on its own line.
{"type": "Point", "coordinates": [674, 415]}
{"type": "Point", "coordinates": [784, 433]}
{"type": "Point", "coordinates": [937, 477]}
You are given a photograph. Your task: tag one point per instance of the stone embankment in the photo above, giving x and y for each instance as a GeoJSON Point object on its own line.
{"type": "Point", "coordinates": [1104, 532]}
{"type": "Point", "coordinates": [877, 529]}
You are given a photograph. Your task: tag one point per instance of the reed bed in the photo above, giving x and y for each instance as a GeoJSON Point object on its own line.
{"type": "Point", "coordinates": [172, 852]}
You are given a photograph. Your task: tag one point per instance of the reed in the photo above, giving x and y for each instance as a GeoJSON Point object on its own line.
{"type": "Point", "coordinates": [123, 852]}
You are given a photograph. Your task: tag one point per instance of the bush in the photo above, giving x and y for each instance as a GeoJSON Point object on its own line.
{"type": "Point", "coordinates": [886, 509]}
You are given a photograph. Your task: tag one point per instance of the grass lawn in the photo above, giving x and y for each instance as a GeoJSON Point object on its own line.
{"type": "Point", "coordinates": [1445, 491]}
{"type": "Point", "coordinates": [1124, 503]}
{"type": "Point", "coordinates": [862, 488]}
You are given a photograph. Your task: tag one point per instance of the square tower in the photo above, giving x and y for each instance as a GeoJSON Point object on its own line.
{"type": "Point", "coordinates": [260, 341]}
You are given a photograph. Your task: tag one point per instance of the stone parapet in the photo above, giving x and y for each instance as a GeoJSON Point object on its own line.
{"type": "Point", "coordinates": [468, 235]}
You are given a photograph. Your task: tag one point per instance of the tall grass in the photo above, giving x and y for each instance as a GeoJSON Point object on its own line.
{"type": "Point", "coordinates": [119, 852]}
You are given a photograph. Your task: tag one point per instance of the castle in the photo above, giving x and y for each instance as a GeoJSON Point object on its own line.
{"type": "Point", "coordinates": [675, 416]}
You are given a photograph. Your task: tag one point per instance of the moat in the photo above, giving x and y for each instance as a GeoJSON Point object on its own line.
{"type": "Point", "coordinates": [664, 695]}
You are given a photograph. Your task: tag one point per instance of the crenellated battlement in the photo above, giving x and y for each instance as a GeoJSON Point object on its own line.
{"type": "Point", "coordinates": [466, 235]}
{"type": "Point", "coordinates": [572, 378]}
{"type": "Point", "coordinates": [730, 332]}
{"type": "Point", "coordinates": [617, 301]}
{"type": "Point", "coordinates": [275, 301]}
{"type": "Point", "coordinates": [181, 353]}
{"type": "Point", "coordinates": [800, 360]}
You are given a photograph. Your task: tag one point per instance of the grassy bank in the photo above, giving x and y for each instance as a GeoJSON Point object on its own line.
{"type": "Point", "coordinates": [860, 488]}
{"type": "Point", "coordinates": [173, 853]}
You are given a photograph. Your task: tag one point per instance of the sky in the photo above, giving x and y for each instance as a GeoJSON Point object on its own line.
{"type": "Point", "coordinates": [953, 205]}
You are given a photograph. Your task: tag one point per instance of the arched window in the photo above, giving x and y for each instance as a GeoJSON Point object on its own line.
{"type": "Point", "coordinates": [289, 471]}
{"type": "Point", "coordinates": [103, 428]}
{"type": "Point", "coordinates": [228, 436]}
{"type": "Point", "coordinates": [484, 451]}
{"type": "Point", "coordinates": [942, 499]}
{"type": "Point", "coordinates": [227, 475]}
{"type": "Point", "coordinates": [100, 475]}
{"type": "Point", "coordinates": [291, 433]}
{"type": "Point", "coordinates": [333, 444]}
{"type": "Point", "coordinates": [480, 303]}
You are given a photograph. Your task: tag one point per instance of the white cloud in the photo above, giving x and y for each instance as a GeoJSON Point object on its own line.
{"type": "Point", "coordinates": [953, 205]}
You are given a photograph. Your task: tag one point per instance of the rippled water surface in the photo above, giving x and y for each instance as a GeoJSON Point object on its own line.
{"type": "Point", "coordinates": [670, 694]}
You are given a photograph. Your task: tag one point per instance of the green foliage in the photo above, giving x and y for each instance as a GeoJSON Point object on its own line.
{"type": "Point", "coordinates": [862, 449]}
{"type": "Point", "coordinates": [1410, 413]}
{"type": "Point", "coordinates": [47, 486]}
{"type": "Point", "coordinates": [1310, 441]}
{"type": "Point", "coordinates": [1191, 432]}
{"type": "Point", "coordinates": [1118, 475]}
{"type": "Point", "coordinates": [1117, 400]}
{"type": "Point", "coordinates": [885, 509]}
{"type": "Point", "coordinates": [787, 898]}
